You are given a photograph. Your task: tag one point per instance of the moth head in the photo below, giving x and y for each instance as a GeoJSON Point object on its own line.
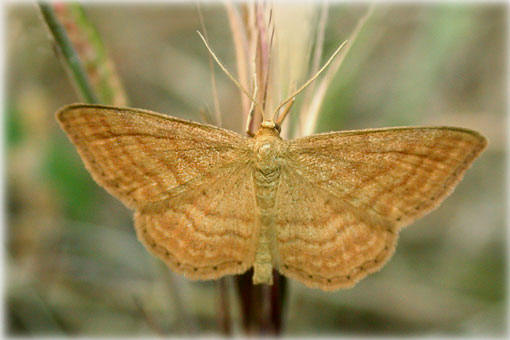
{"type": "Point", "coordinates": [268, 128]}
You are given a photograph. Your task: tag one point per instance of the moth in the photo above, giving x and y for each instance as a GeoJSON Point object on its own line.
{"type": "Point", "coordinates": [325, 209]}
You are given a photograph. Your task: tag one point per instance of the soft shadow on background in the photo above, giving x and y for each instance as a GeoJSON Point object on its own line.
{"type": "Point", "coordinates": [74, 265]}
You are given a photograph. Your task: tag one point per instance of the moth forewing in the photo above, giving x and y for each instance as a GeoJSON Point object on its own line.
{"type": "Point", "coordinates": [140, 156]}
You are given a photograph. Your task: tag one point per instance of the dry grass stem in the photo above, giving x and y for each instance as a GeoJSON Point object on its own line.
{"type": "Point", "coordinates": [214, 88]}
{"type": "Point", "coordinates": [239, 37]}
{"type": "Point", "coordinates": [308, 119]}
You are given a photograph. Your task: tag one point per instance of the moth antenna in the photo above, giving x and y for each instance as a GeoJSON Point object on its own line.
{"type": "Point", "coordinates": [224, 69]}
{"type": "Point", "coordinates": [305, 85]}
{"type": "Point", "coordinates": [286, 110]}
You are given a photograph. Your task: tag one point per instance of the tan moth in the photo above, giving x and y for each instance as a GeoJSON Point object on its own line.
{"type": "Point", "coordinates": [325, 210]}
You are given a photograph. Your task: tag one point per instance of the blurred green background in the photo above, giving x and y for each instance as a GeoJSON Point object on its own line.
{"type": "Point", "coordinates": [74, 265]}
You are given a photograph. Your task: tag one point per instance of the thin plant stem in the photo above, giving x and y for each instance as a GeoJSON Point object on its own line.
{"type": "Point", "coordinates": [319, 40]}
{"type": "Point", "coordinates": [92, 52]}
{"type": "Point", "coordinates": [224, 318]}
{"type": "Point", "coordinates": [262, 305]}
{"type": "Point", "coordinates": [217, 110]}
{"type": "Point", "coordinates": [310, 117]}
{"type": "Point", "coordinates": [149, 318]}
{"type": "Point", "coordinates": [318, 49]}
{"type": "Point", "coordinates": [278, 299]}
{"type": "Point", "coordinates": [241, 51]}
{"type": "Point", "coordinates": [245, 290]}
{"type": "Point", "coordinates": [71, 58]}
{"type": "Point", "coordinates": [185, 322]}
{"type": "Point", "coordinates": [251, 112]}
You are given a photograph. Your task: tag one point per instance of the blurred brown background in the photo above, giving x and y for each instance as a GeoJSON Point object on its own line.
{"type": "Point", "coordinates": [74, 265]}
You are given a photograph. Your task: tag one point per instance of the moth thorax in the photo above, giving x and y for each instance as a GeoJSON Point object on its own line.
{"type": "Point", "coordinates": [267, 154]}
